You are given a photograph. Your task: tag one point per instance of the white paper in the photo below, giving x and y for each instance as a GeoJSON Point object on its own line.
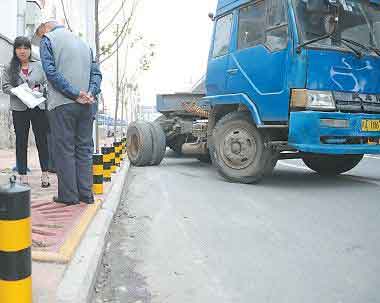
{"type": "Point", "coordinates": [29, 97]}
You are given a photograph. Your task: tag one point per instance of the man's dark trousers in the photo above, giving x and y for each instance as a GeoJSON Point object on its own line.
{"type": "Point", "coordinates": [71, 127]}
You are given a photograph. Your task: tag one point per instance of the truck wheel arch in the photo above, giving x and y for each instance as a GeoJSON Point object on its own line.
{"type": "Point", "coordinates": [224, 104]}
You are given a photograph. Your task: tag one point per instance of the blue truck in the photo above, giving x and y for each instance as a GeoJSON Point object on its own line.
{"type": "Point", "coordinates": [285, 79]}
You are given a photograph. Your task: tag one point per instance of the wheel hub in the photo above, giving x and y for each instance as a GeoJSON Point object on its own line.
{"type": "Point", "coordinates": [134, 145]}
{"type": "Point", "coordinates": [238, 149]}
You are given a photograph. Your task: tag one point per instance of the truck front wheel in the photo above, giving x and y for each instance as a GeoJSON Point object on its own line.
{"type": "Point", "coordinates": [331, 164]}
{"type": "Point", "coordinates": [238, 150]}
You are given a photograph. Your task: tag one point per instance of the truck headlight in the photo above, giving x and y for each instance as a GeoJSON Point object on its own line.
{"type": "Point", "coordinates": [312, 100]}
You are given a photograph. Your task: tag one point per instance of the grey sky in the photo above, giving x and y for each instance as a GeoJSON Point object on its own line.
{"type": "Point", "coordinates": [182, 30]}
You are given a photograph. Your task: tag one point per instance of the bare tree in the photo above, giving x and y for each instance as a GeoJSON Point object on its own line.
{"type": "Point", "coordinates": [110, 42]}
{"type": "Point", "coordinates": [65, 16]}
{"type": "Point", "coordinates": [105, 49]}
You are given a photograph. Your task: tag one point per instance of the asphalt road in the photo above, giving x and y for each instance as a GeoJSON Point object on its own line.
{"type": "Point", "coordinates": [183, 234]}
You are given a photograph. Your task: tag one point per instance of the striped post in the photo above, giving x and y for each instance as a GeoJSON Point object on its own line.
{"type": "Point", "coordinates": [106, 151]}
{"type": "Point", "coordinates": [121, 150]}
{"type": "Point", "coordinates": [117, 153]}
{"type": "Point", "coordinates": [112, 159]}
{"type": "Point", "coordinates": [97, 172]}
{"type": "Point", "coordinates": [15, 244]}
{"type": "Point", "coordinates": [125, 145]}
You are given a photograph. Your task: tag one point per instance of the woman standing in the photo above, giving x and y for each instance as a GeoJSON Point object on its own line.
{"type": "Point", "coordinates": [22, 69]}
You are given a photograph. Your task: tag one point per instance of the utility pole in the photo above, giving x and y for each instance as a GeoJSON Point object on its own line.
{"type": "Point", "coordinates": [122, 113]}
{"type": "Point", "coordinates": [21, 8]}
{"type": "Point", "coordinates": [117, 81]}
{"type": "Point", "coordinates": [97, 47]}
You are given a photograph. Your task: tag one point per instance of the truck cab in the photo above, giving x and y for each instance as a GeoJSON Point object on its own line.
{"type": "Point", "coordinates": [293, 79]}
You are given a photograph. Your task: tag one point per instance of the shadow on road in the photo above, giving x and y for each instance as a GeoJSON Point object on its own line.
{"type": "Point", "coordinates": [283, 178]}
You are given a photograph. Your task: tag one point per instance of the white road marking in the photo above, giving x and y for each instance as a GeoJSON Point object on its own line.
{"type": "Point", "coordinates": [293, 165]}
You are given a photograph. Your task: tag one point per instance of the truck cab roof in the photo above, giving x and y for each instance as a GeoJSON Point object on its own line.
{"type": "Point", "coordinates": [227, 5]}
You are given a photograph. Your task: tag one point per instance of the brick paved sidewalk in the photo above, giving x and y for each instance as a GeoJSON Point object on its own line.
{"type": "Point", "coordinates": [53, 225]}
{"type": "Point", "coordinates": [51, 222]}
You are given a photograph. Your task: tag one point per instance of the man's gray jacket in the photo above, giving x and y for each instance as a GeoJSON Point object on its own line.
{"type": "Point", "coordinates": [72, 62]}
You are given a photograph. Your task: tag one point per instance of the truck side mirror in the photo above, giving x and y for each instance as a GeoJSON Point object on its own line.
{"type": "Point", "coordinates": [211, 16]}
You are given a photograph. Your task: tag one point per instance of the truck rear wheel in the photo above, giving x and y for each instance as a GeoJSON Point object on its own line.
{"type": "Point", "coordinates": [331, 164]}
{"type": "Point", "coordinates": [140, 143]}
{"type": "Point", "coordinates": [238, 150]}
{"type": "Point", "coordinates": [159, 143]}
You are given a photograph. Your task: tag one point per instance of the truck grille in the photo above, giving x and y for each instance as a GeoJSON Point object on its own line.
{"type": "Point", "coordinates": [357, 103]}
{"type": "Point", "coordinates": [350, 140]}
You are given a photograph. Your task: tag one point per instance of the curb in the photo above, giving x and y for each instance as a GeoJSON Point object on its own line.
{"type": "Point", "coordinates": [73, 240]}
{"type": "Point", "coordinates": [79, 278]}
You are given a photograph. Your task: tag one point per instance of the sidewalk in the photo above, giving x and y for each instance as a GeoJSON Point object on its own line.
{"type": "Point", "coordinates": [59, 230]}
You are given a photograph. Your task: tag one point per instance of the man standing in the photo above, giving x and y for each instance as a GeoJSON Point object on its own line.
{"type": "Point", "coordinates": [74, 80]}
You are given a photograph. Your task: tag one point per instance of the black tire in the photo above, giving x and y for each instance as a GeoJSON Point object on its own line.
{"type": "Point", "coordinates": [140, 143]}
{"type": "Point", "coordinates": [232, 135]}
{"type": "Point", "coordinates": [159, 143]}
{"type": "Point", "coordinates": [205, 158]}
{"type": "Point", "coordinates": [271, 163]}
{"type": "Point", "coordinates": [331, 165]}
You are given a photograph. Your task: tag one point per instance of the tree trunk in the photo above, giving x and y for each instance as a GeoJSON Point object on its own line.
{"type": "Point", "coordinates": [117, 84]}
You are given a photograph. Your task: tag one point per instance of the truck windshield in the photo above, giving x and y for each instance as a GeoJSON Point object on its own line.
{"type": "Point", "coordinates": [358, 20]}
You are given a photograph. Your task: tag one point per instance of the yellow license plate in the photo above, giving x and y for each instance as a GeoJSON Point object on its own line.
{"type": "Point", "coordinates": [370, 125]}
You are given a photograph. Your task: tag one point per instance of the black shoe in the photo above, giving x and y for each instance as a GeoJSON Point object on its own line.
{"type": "Point", "coordinates": [45, 184]}
{"type": "Point", "coordinates": [45, 181]}
{"type": "Point", "coordinates": [56, 200]}
{"type": "Point", "coordinates": [87, 200]}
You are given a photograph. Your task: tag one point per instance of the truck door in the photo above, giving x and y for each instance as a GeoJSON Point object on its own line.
{"type": "Point", "coordinates": [218, 59]}
{"type": "Point", "coordinates": [257, 64]}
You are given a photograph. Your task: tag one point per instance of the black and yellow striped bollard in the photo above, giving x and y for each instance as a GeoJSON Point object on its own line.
{"type": "Point", "coordinates": [112, 159]}
{"type": "Point", "coordinates": [125, 147]}
{"type": "Point", "coordinates": [97, 172]}
{"type": "Point", "coordinates": [107, 174]}
{"type": "Point", "coordinates": [15, 244]}
{"type": "Point", "coordinates": [117, 153]}
{"type": "Point", "coordinates": [121, 150]}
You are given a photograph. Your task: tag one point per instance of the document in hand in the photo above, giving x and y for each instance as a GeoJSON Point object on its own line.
{"type": "Point", "coordinates": [29, 97]}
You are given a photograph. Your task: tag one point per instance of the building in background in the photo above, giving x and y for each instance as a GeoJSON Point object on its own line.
{"type": "Point", "coordinates": [19, 17]}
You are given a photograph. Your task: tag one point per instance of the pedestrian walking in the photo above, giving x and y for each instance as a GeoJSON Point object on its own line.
{"type": "Point", "coordinates": [22, 69]}
{"type": "Point", "coordinates": [74, 81]}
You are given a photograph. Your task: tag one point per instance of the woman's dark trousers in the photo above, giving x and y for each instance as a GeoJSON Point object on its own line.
{"type": "Point", "coordinates": [21, 123]}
